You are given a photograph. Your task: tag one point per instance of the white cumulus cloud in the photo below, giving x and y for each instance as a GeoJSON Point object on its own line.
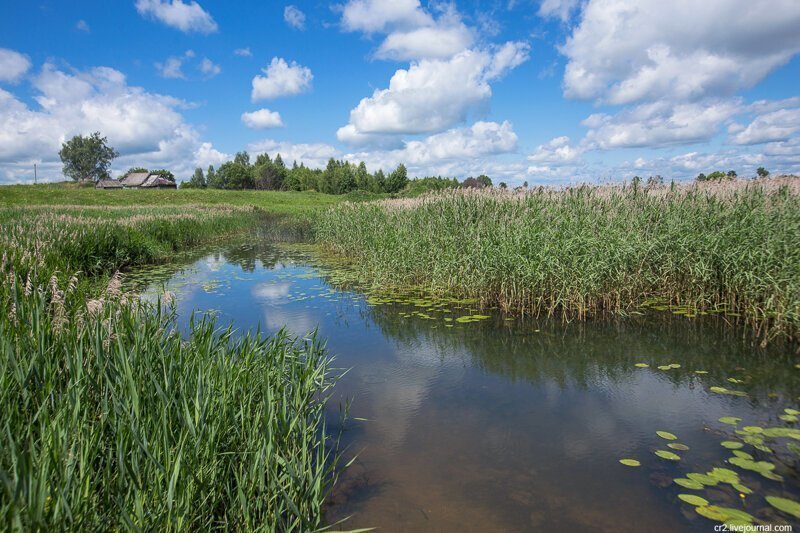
{"type": "Point", "coordinates": [281, 79]}
{"type": "Point", "coordinates": [623, 52]}
{"type": "Point", "coordinates": [209, 68]}
{"type": "Point", "coordinates": [262, 119]}
{"type": "Point", "coordinates": [13, 65]}
{"type": "Point", "coordinates": [186, 17]}
{"type": "Point", "coordinates": [294, 17]}
{"type": "Point", "coordinates": [432, 95]}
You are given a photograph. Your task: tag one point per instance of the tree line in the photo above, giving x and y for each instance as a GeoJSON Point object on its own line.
{"type": "Point", "coordinates": [265, 173]}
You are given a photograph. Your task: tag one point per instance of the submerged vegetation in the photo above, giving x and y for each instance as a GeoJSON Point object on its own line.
{"type": "Point", "coordinates": [112, 420]}
{"type": "Point", "coordinates": [580, 251]}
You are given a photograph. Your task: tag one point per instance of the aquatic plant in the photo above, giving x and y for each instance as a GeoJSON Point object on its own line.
{"type": "Point", "coordinates": [730, 248]}
{"type": "Point", "coordinates": [112, 420]}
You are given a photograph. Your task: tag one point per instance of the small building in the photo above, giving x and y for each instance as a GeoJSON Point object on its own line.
{"type": "Point", "coordinates": [108, 184]}
{"type": "Point", "coordinates": [145, 180]}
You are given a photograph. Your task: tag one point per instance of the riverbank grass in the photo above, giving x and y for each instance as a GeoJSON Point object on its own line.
{"type": "Point", "coordinates": [583, 251]}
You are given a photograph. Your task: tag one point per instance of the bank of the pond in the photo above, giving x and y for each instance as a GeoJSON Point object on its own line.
{"type": "Point", "coordinates": [575, 252]}
{"type": "Point", "coordinates": [113, 420]}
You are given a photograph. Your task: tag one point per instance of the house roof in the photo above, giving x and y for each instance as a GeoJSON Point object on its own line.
{"type": "Point", "coordinates": [135, 179]}
{"type": "Point", "coordinates": [108, 184]}
{"type": "Point", "coordinates": [155, 180]}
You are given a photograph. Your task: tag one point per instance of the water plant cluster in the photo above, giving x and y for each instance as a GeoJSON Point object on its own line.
{"type": "Point", "coordinates": [767, 451]}
{"type": "Point", "coordinates": [112, 420]}
{"type": "Point", "coordinates": [579, 251]}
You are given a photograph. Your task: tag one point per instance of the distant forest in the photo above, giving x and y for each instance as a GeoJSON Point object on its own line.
{"type": "Point", "coordinates": [338, 177]}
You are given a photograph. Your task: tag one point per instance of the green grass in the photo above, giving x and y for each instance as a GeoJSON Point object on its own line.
{"type": "Point", "coordinates": [583, 251]}
{"type": "Point", "coordinates": [111, 420]}
{"type": "Point", "coordinates": [273, 202]}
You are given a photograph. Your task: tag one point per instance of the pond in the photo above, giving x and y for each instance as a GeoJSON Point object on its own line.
{"type": "Point", "coordinates": [498, 423]}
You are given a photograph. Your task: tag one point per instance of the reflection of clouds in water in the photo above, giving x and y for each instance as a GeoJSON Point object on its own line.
{"type": "Point", "coordinates": [633, 406]}
{"type": "Point", "coordinates": [398, 389]}
{"type": "Point", "coordinates": [271, 292]}
{"type": "Point", "coordinates": [214, 262]}
{"type": "Point", "coordinates": [297, 322]}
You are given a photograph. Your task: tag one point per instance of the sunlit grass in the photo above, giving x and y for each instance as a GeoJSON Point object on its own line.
{"type": "Point", "coordinates": [582, 251]}
{"type": "Point", "coordinates": [112, 420]}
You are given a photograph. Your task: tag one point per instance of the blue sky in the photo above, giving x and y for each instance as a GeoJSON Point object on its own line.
{"type": "Point", "coordinates": [543, 91]}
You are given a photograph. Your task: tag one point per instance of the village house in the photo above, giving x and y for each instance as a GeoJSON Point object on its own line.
{"type": "Point", "coordinates": [108, 184]}
{"type": "Point", "coordinates": [146, 180]}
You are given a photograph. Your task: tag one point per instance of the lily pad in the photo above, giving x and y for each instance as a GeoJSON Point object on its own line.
{"type": "Point", "coordinates": [666, 435]}
{"type": "Point", "coordinates": [731, 420]}
{"type": "Point", "coordinates": [724, 514]}
{"type": "Point", "coordinates": [678, 446]}
{"type": "Point", "coordinates": [703, 479]}
{"type": "Point", "coordinates": [784, 504]}
{"type": "Point", "coordinates": [701, 371]}
{"type": "Point", "coordinates": [692, 499]}
{"type": "Point", "coordinates": [788, 418]}
{"type": "Point", "coordinates": [688, 483]}
{"type": "Point", "coordinates": [743, 455]}
{"type": "Point", "coordinates": [731, 444]}
{"type": "Point", "coordinates": [641, 365]}
{"type": "Point", "coordinates": [723, 475]}
{"type": "Point", "coordinates": [664, 454]}
{"type": "Point", "coordinates": [741, 488]}
{"type": "Point", "coordinates": [789, 411]}
{"type": "Point", "coordinates": [630, 462]}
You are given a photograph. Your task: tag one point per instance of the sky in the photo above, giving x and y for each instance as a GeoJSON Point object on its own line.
{"type": "Point", "coordinates": [537, 91]}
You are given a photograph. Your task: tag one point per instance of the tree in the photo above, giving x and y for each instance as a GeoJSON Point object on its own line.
{"type": "Point", "coordinates": [503, 185]}
{"type": "Point", "coordinates": [717, 175]}
{"type": "Point", "coordinates": [235, 176]}
{"type": "Point", "coordinates": [380, 181]}
{"type": "Point", "coordinates": [762, 172]}
{"type": "Point", "coordinates": [166, 174]}
{"type": "Point", "coordinates": [213, 180]}
{"type": "Point", "coordinates": [654, 181]}
{"type": "Point", "coordinates": [87, 157]}
{"type": "Point", "coordinates": [486, 180]}
{"type": "Point", "coordinates": [397, 179]}
{"type": "Point", "coordinates": [241, 158]}
{"type": "Point", "coordinates": [731, 175]}
{"type": "Point", "coordinates": [701, 177]}
{"type": "Point", "coordinates": [197, 181]}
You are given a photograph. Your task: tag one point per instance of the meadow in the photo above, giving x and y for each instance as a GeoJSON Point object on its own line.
{"type": "Point", "coordinates": [583, 251]}
{"type": "Point", "coordinates": [112, 420]}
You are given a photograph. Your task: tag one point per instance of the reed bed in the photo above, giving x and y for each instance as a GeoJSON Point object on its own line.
{"type": "Point", "coordinates": [581, 251]}
{"type": "Point", "coordinates": [111, 420]}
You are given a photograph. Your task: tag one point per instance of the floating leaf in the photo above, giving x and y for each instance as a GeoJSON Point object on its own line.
{"type": "Point", "coordinates": [723, 390]}
{"type": "Point", "coordinates": [666, 435]}
{"type": "Point", "coordinates": [641, 365]}
{"type": "Point", "coordinates": [691, 499]}
{"type": "Point", "coordinates": [701, 371]}
{"type": "Point", "coordinates": [789, 411]}
{"type": "Point", "coordinates": [724, 514]}
{"type": "Point", "coordinates": [731, 420]}
{"type": "Point", "coordinates": [784, 504]}
{"type": "Point", "coordinates": [688, 483]}
{"type": "Point", "coordinates": [753, 429]}
{"type": "Point", "coordinates": [664, 367]}
{"type": "Point", "coordinates": [630, 462]}
{"type": "Point", "coordinates": [678, 446]}
{"type": "Point", "coordinates": [788, 418]}
{"type": "Point", "coordinates": [664, 454]}
{"type": "Point", "coordinates": [703, 479]}
{"type": "Point", "coordinates": [741, 488]}
{"type": "Point", "coordinates": [674, 365]}
{"type": "Point", "coordinates": [731, 444]}
{"type": "Point", "coordinates": [743, 455]}
{"type": "Point", "coordinates": [724, 475]}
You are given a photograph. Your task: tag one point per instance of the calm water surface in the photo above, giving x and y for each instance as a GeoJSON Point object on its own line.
{"type": "Point", "coordinates": [507, 425]}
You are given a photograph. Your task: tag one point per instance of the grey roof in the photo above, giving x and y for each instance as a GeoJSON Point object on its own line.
{"type": "Point", "coordinates": [155, 180]}
{"type": "Point", "coordinates": [135, 179]}
{"type": "Point", "coordinates": [108, 184]}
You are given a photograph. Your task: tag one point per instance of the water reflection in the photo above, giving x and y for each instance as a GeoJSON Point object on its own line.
{"type": "Point", "coordinates": [498, 424]}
